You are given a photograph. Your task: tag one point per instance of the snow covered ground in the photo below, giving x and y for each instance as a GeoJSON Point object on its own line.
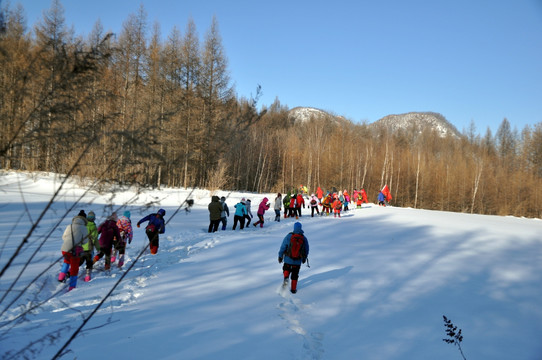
{"type": "Point", "coordinates": [379, 282]}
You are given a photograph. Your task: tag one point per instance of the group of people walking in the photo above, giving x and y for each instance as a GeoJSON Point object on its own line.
{"type": "Point", "coordinates": [331, 202]}
{"type": "Point", "coordinates": [82, 237]}
{"type": "Point", "coordinates": [219, 213]}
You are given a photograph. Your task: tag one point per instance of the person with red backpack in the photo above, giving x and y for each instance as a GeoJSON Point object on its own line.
{"type": "Point", "coordinates": [337, 206]}
{"type": "Point", "coordinates": [292, 205]}
{"type": "Point", "coordinates": [74, 237]}
{"type": "Point", "coordinates": [294, 251]}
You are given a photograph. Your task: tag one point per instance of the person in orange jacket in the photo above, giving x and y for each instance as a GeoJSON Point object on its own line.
{"type": "Point", "coordinates": [337, 206]}
{"type": "Point", "coordinates": [326, 204]}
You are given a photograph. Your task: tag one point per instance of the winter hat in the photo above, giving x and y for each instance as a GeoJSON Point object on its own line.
{"type": "Point", "coordinates": [91, 216]}
{"type": "Point", "coordinates": [127, 214]}
{"type": "Point", "coordinates": [223, 198]}
{"type": "Point", "coordinates": [82, 213]}
{"type": "Point", "coordinates": [243, 200]}
{"type": "Point", "coordinates": [162, 212]}
{"type": "Point", "coordinates": [297, 228]}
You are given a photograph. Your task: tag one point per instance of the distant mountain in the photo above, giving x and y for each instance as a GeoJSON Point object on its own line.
{"type": "Point", "coordinates": [405, 122]}
{"type": "Point", "coordinates": [419, 121]}
{"type": "Point", "coordinates": [304, 114]}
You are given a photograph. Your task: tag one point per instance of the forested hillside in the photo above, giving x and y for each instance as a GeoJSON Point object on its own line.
{"type": "Point", "coordinates": [150, 109]}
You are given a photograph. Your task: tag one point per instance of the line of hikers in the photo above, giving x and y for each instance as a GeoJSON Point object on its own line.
{"type": "Point", "coordinates": [109, 239]}
{"type": "Point", "coordinates": [332, 202]}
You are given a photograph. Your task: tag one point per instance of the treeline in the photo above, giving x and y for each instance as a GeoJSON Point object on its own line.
{"type": "Point", "coordinates": [141, 108]}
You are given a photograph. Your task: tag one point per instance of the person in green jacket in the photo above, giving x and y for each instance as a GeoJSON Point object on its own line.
{"type": "Point", "coordinates": [93, 243]}
{"type": "Point", "coordinates": [215, 213]}
{"type": "Point", "coordinates": [286, 202]}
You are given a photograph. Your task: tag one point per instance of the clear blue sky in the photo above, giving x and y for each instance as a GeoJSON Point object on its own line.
{"type": "Point", "coordinates": [470, 60]}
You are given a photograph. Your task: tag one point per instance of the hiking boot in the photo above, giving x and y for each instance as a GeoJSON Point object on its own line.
{"type": "Point", "coordinates": [294, 287]}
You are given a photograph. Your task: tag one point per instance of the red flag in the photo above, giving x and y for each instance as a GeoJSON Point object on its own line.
{"type": "Point", "coordinates": [387, 193]}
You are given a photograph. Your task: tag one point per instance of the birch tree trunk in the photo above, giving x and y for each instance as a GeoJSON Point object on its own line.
{"type": "Point", "coordinates": [417, 181]}
{"type": "Point", "coordinates": [478, 176]}
{"type": "Point", "coordinates": [384, 167]}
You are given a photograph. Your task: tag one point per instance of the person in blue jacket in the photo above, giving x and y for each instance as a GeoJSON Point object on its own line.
{"type": "Point", "coordinates": [381, 199]}
{"type": "Point", "coordinates": [156, 226]}
{"type": "Point", "coordinates": [293, 258]}
{"type": "Point", "coordinates": [240, 212]}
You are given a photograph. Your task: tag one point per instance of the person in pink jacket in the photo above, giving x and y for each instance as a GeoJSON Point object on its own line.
{"type": "Point", "coordinates": [264, 205]}
{"type": "Point", "coordinates": [126, 234]}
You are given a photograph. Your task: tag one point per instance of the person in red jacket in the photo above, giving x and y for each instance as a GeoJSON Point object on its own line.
{"type": "Point", "coordinates": [319, 194]}
{"type": "Point", "coordinates": [264, 205]}
{"type": "Point", "coordinates": [299, 201]}
{"type": "Point", "coordinates": [359, 201]}
{"type": "Point", "coordinates": [291, 208]}
{"type": "Point", "coordinates": [364, 196]}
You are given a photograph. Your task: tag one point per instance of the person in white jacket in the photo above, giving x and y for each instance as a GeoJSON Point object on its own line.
{"type": "Point", "coordinates": [278, 206]}
{"type": "Point", "coordinates": [74, 237]}
{"type": "Point", "coordinates": [248, 215]}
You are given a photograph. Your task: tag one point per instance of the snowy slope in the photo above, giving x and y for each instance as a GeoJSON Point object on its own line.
{"type": "Point", "coordinates": [379, 282]}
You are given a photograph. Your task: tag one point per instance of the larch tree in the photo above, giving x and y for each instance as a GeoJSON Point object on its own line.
{"type": "Point", "coordinates": [215, 92]}
{"type": "Point", "coordinates": [15, 67]}
{"type": "Point", "coordinates": [190, 68]}
{"type": "Point", "coordinates": [52, 41]}
{"type": "Point", "coordinates": [130, 61]}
